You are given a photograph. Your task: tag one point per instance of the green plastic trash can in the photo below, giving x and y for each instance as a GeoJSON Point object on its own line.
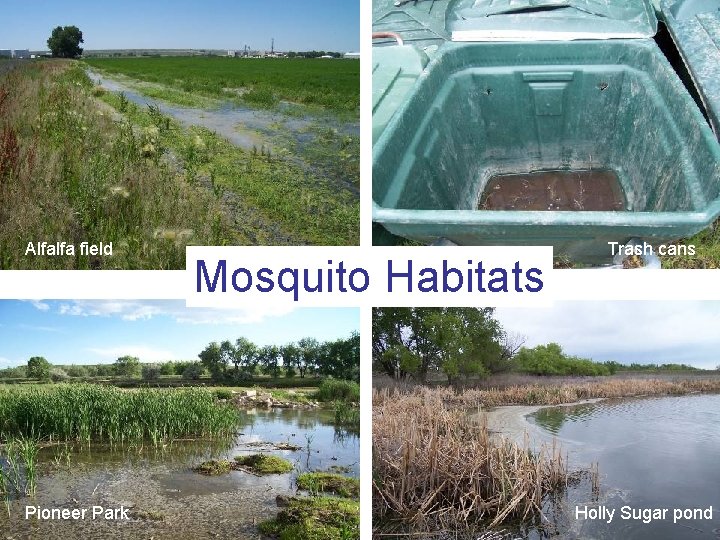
{"type": "Point", "coordinates": [568, 114]}
{"type": "Point", "coordinates": [695, 28]}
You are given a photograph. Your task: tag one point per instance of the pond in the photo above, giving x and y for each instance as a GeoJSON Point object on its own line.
{"type": "Point", "coordinates": [652, 453]}
{"type": "Point", "coordinates": [165, 498]}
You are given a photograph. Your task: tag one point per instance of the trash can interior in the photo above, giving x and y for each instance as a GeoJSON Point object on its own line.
{"type": "Point", "coordinates": [601, 109]}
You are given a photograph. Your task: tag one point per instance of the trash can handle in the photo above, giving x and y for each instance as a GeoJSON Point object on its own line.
{"type": "Point", "coordinates": [394, 35]}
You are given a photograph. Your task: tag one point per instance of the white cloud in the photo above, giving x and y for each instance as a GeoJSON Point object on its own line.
{"type": "Point", "coordinates": [657, 332]}
{"type": "Point", "coordinates": [143, 352]}
{"type": "Point", "coordinates": [6, 362]}
{"type": "Point", "coordinates": [39, 305]}
{"type": "Point", "coordinates": [134, 310]}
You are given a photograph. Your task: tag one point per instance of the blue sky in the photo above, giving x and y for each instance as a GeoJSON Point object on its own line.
{"type": "Point", "coordinates": [91, 332]}
{"type": "Point", "coordinates": [647, 332]}
{"type": "Point", "coordinates": [179, 24]}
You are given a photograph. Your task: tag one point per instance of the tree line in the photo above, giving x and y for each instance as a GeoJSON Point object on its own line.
{"type": "Point", "coordinates": [224, 362]}
{"type": "Point", "coordinates": [242, 359]}
{"type": "Point", "coordinates": [464, 343]}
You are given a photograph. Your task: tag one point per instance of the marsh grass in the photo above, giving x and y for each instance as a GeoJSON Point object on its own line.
{"type": "Point", "coordinates": [557, 394]}
{"type": "Point", "coordinates": [93, 413]}
{"type": "Point", "coordinates": [264, 464]}
{"type": "Point", "coordinates": [433, 468]}
{"type": "Point", "coordinates": [316, 518]}
{"type": "Point", "coordinates": [70, 172]}
{"type": "Point", "coordinates": [326, 482]}
{"type": "Point", "coordinates": [18, 467]}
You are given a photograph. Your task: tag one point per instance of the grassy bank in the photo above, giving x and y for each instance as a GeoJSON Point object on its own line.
{"type": "Point", "coordinates": [270, 199]}
{"type": "Point", "coordinates": [69, 172]}
{"type": "Point", "coordinates": [331, 85]}
{"type": "Point", "coordinates": [433, 469]}
{"type": "Point", "coordinates": [85, 412]}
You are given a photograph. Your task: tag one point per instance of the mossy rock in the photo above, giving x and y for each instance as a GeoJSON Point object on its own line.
{"type": "Point", "coordinates": [317, 482]}
{"type": "Point", "coordinates": [316, 518]}
{"type": "Point", "coordinates": [264, 464]}
{"type": "Point", "coordinates": [214, 467]}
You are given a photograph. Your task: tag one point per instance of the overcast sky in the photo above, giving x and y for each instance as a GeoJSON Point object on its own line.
{"type": "Point", "coordinates": [91, 332]}
{"type": "Point", "coordinates": [182, 24]}
{"type": "Point", "coordinates": [643, 332]}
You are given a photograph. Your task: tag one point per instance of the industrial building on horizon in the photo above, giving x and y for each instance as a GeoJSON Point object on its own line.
{"type": "Point", "coordinates": [15, 53]}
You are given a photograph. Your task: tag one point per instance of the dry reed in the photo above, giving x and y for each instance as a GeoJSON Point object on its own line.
{"type": "Point", "coordinates": [434, 468]}
{"type": "Point", "coordinates": [541, 394]}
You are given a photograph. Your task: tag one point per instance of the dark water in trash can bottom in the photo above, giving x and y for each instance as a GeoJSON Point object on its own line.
{"type": "Point", "coordinates": [579, 190]}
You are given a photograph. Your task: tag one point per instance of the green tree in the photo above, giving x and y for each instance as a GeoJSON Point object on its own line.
{"type": "Point", "coordinates": [340, 359]}
{"type": "Point", "coordinates": [214, 361]}
{"type": "Point", "coordinates": [245, 355]}
{"type": "Point", "coordinates": [269, 359]}
{"type": "Point", "coordinates": [150, 372]}
{"type": "Point", "coordinates": [459, 342]}
{"type": "Point", "coordinates": [127, 366]}
{"type": "Point", "coordinates": [38, 368]}
{"type": "Point", "coordinates": [64, 42]}
{"type": "Point", "coordinates": [192, 371]}
{"type": "Point", "coordinates": [309, 353]}
{"type": "Point", "coordinates": [290, 354]}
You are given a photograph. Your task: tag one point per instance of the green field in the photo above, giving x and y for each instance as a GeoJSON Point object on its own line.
{"type": "Point", "coordinates": [330, 84]}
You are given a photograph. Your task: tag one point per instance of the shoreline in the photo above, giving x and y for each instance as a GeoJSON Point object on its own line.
{"type": "Point", "coordinates": [509, 421]}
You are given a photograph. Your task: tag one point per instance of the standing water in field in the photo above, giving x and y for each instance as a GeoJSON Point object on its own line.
{"type": "Point", "coordinates": [245, 127]}
{"type": "Point", "coordinates": [166, 499]}
{"type": "Point", "coordinates": [651, 453]}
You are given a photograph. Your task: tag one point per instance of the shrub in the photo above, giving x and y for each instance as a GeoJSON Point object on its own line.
{"type": "Point", "coordinates": [58, 374]}
{"type": "Point", "coordinates": [223, 393]}
{"type": "Point", "coordinates": [338, 390]}
{"type": "Point", "coordinates": [192, 372]}
{"type": "Point", "coordinates": [150, 372]}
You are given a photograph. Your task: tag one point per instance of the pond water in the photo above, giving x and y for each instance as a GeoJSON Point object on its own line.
{"type": "Point", "coordinates": [652, 453]}
{"type": "Point", "coordinates": [243, 126]}
{"type": "Point", "coordinates": [166, 499]}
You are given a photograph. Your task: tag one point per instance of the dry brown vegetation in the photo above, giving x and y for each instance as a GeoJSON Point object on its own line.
{"type": "Point", "coordinates": [536, 394]}
{"type": "Point", "coordinates": [434, 468]}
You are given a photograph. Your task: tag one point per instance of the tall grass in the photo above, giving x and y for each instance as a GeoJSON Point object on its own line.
{"type": "Point", "coordinates": [87, 412]}
{"type": "Point", "coordinates": [338, 390]}
{"type": "Point", "coordinates": [18, 467]}
{"type": "Point", "coordinates": [70, 171]}
{"type": "Point", "coordinates": [433, 468]}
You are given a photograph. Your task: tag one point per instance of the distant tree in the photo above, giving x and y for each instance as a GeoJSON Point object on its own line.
{"type": "Point", "coordinates": [269, 359]}
{"type": "Point", "coordinates": [150, 372]}
{"type": "Point", "coordinates": [340, 359]}
{"type": "Point", "coordinates": [168, 368]}
{"type": "Point", "coordinates": [290, 354]}
{"type": "Point", "coordinates": [213, 359]}
{"type": "Point", "coordinates": [76, 371]}
{"type": "Point", "coordinates": [127, 366]}
{"type": "Point", "coordinates": [309, 353]}
{"type": "Point", "coordinates": [193, 371]}
{"type": "Point", "coordinates": [58, 374]}
{"type": "Point", "coordinates": [104, 370]}
{"type": "Point", "coordinates": [64, 42]}
{"type": "Point", "coordinates": [38, 368]}
{"type": "Point", "coordinates": [245, 354]}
